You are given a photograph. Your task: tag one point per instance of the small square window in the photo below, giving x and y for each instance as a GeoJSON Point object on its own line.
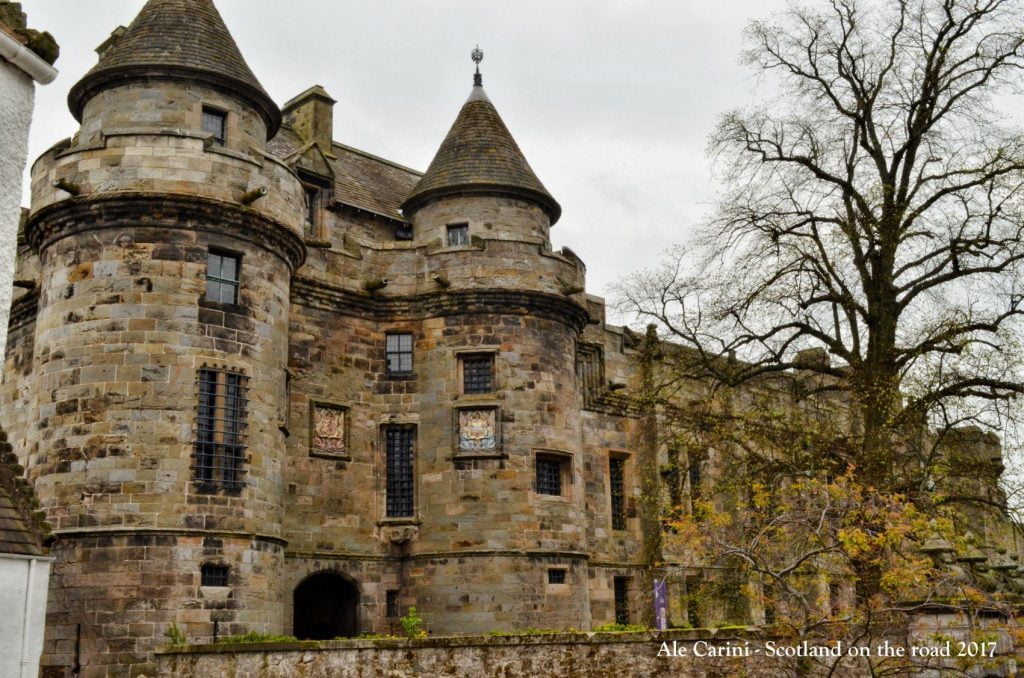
{"type": "Point", "coordinates": [458, 234]}
{"type": "Point", "coordinates": [398, 348]}
{"type": "Point", "coordinates": [214, 575]}
{"type": "Point", "coordinates": [556, 575]}
{"type": "Point", "coordinates": [550, 470]}
{"type": "Point", "coordinates": [222, 277]}
{"type": "Point", "coordinates": [215, 123]}
{"type": "Point", "coordinates": [477, 373]}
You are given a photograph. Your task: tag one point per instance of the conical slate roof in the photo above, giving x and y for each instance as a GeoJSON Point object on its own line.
{"type": "Point", "coordinates": [479, 156]}
{"type": "Point", "coordinates": [176, 39]}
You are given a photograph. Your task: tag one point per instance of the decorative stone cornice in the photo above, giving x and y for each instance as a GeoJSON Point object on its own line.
{"type": "Point", "coordinates": [317, 294]}
{"type": "Point", "coordinates": [124, 209]}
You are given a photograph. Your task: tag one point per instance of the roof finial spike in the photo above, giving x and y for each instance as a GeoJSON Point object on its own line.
{"type": "Point", "coordinates": [477, 55]}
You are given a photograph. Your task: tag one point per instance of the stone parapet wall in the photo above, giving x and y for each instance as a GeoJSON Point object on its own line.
{"type": "Point", "coordinates": [600, 655]}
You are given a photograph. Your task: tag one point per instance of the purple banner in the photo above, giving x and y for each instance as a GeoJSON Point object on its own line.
{"type": "Point", "coordinates": [660, 604]}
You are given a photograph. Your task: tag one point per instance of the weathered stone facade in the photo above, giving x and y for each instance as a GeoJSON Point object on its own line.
{"type": "Point", "coordinates": [115, 346]}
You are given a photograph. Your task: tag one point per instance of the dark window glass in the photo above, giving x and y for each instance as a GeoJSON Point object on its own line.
{"type": "Point", "coordinates": [621, 600]}
{"type": "Point", "coordinates": [556, 576]}
{"type": "Point", "coordinates": [399, 353]}
{"type": "Point", "coordinates": [616, 473]}
{"type": "Point", "coordinates": [399, 441]}
{"type": "Point", "coordinates": [477, 374]}
{"type": "Point", "coordinates": [220, 429]}
{"type": "Point", "coordinates": [222, 277]}
{"type": "Point", "coordinates": [391, 606]}
{"type": "Point", "coordinates": [458, 234]}
{"type": "Point", "coordinates": [214, 575]}
{"type": "Point", "coordinates": [549, 476]}
{"type": "Point", "coordinates": [215, 123]}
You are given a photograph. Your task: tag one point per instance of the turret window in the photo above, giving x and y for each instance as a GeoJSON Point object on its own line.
{"type": "Point", "coordinates": [458, 235]}
{"type": "Point", "coordinates": [222, 277]}
{"type": "Point", "coordinates": [220, 430]}
{"type": "Point", "coordinates": [215, 124]}
{"type": "Point", "coordinates": [477, 373]}
{"type": "Point", "coordinates": [398, 349]}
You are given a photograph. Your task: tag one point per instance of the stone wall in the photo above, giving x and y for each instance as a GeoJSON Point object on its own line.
{"type": "Point", "coordinates": [679, 654]}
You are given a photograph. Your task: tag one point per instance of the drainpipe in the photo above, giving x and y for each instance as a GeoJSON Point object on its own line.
{"type": "Point", "coordinates": [26, 625]}
{"type": "Point", "coordinates": [26, 59]}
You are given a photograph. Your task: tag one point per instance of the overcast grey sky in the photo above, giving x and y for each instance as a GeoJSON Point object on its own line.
{"type": "Point", "coordinates": [611, 101]}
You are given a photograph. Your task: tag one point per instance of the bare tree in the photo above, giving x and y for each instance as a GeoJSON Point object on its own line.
{"type": "Point", "coordinates": [872, 210]}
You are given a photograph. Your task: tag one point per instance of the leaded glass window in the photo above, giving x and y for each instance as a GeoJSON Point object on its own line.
{"type": "Point", "coordinates": [220, 429]}
{"type": "Point", "coordinates": [399, 441]}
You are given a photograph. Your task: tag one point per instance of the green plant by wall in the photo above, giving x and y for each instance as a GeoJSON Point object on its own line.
{"type": "Point", "coordinates": [175, 635]}
{"type": "Point", "coordinates": [254, 637]}
{"type": "Point", "coordinates": [412, 624]}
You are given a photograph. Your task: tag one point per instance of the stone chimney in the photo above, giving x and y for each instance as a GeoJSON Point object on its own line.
{"type": "Point", "coordinates": [311, 116]}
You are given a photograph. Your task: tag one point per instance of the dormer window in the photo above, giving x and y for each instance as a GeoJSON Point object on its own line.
{"type": "Point", "coordinates": [215, 123]}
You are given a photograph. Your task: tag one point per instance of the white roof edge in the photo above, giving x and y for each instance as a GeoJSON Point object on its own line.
{"type": "Point", "coordinates": [31, 63]}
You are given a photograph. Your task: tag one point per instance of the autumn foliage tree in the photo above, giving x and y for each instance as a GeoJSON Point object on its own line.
{"type": "Point", "coordinates": [864, 258]}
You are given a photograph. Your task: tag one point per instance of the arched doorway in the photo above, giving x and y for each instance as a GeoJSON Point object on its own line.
{"type": "Point", "coordinates": [325, 608]}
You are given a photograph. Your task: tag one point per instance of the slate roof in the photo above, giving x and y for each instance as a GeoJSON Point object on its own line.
{"type": "Point", "coordinates": [479, 155]}
{"type": "Point", "coordinates": [176, 37]}
{"type": "Point", "coordinates": [361, 180]}
{"type": "Point", "coordinates": [22, 530]}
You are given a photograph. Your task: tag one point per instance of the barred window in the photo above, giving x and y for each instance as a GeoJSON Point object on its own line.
{"type": "Point", "coordinates": [214, 575]}
{"type": "Point", "coordinates": [215, 123]}
{"type": "Point", "coordinates": [621, 600]}
{"type": "Point", "coordinates": [478, 373]}
{"type": "Point", "coordinates": [399, 441]}
{"type": "Point", "coordinates": [556, 575]}
{"type": "Point", "coordinates": [458, 234]}
{"type": "Point", "coordinates": [220, 429]}
{"type": "Point", "coordinates": [398, 348]}
{"type": "Point", "coordinates": [222, 277]}
{"type": "Point", "coordinates": [549, 475]}
{"type": "Point", "coordinates": [616, 475]}
{"type": "Point", "coordinates": [694, 471]}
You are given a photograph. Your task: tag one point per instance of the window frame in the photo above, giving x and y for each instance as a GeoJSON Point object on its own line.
{"type": "Point", "coordinates": [463, 239]}
{"type": "Point", "coordinates": [399, 352]}
{"type": "Point", "coordinates": [563, 461]}
{"type": "Point", "coordinates": [235, 285]}
{"type": "Point", "coordinates": [399, 490]}
{"type": "Point", "coordinates": [221, 115]}
{"type": "Point", "coordinates": [482, 357]}
{"type": "Point", "coordinates": [219, 449]}
{"type": "Point", "coordinates": [617, 500]}
{"type": "Point", "coordinates": [558, 576]}
{"type": "Point", "coordinates": [217, 572]}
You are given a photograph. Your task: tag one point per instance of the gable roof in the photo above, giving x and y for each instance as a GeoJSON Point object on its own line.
{"type": "Point", "coordinates": [479, 155]}
{"type": "Point", "coordinates": [176, 38]}
{"type": "Point", "coordinates": [361, 180]}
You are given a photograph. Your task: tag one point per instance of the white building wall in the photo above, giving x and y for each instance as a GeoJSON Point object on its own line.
{"type": "Point", "coordinates": [17, 95]}
{"type": "Point", "coordinates": [21, 639]}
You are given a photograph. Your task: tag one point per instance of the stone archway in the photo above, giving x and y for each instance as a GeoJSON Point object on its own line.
{"type": "Point", "coordinates": [324, 607]}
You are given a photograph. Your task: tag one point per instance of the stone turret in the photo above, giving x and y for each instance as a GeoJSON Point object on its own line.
{"type": "Point", "coordinates": [480, 177]}
{"type": "Point", "coordinates": [167, 240]}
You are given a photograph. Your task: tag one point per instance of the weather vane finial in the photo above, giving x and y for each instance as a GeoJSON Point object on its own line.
{"type": "Point", "coordinates": [477, 55]}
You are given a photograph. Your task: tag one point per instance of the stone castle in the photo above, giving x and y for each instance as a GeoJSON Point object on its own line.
{"type": "Point", "coordinates": [264, 381]}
